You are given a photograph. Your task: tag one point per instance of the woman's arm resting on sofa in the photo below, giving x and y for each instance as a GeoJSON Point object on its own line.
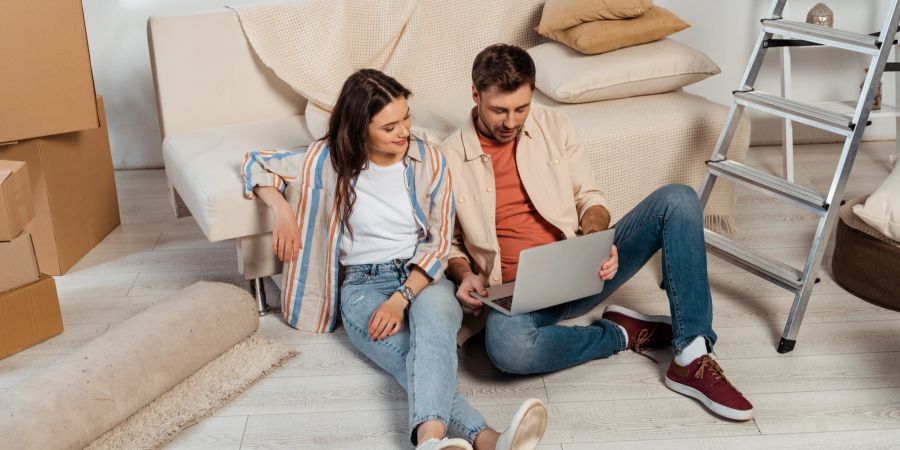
{"type": "Point", "coordinates": [286, 234]}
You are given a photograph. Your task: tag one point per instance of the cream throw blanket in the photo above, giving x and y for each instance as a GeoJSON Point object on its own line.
{"type": "Point", "coordinates": [428, 45]}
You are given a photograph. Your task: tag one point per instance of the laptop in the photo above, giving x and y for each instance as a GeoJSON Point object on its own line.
{"type": "Point", "coordinates": [552, 274]}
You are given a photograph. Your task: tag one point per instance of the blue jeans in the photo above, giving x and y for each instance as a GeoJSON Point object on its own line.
{"type": "Point", "coordinates": [422, 355]}
{"type": "Point", "coordinates": [670, 220]}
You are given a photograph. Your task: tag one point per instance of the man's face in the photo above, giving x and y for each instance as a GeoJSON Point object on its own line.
{"type": "Point", "coordinates": [502, 114]}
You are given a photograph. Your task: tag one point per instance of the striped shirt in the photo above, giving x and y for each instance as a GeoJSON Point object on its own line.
{"type": "Point", "coordinates": [309, 296]}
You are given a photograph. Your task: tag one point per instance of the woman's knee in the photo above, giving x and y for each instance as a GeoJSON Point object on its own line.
{"type": "Point", "coordinates": [438, 302]}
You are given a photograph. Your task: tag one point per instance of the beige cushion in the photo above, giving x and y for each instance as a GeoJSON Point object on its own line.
{"type": "Point", "coordinates": [602, 36]}
{"type": "Point", "coordinates": [662, 66]}
{"type": "Point", "coordinates": [562, 14]}
{"type": "Point", "coordinates": [204, 167]}
{"type": "Point", "coordinates": [316, 120]}
{"type": "Point", "coordinates": [882, 209]}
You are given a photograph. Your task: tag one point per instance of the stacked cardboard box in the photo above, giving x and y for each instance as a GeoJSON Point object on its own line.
{"type": "Point", "coordinates": [57, 187]}
{"type": "Point", "coordinates": [51, 119]}
{"type": "Point", "coordinates": [29, 307]}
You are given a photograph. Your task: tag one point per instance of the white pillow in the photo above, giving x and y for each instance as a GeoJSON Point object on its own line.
{"type": "Point", "coordinates": [568, 76]}
{"type": "Point", "coordinates": [316, 120]}
{"type": "Point", "coordinates": [882, 209]}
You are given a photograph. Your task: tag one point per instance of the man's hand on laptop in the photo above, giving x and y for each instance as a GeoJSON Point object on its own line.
{"type": "Point", "coordinates": [471, 283]}
{"type": "Point", "coordinates": [595, 219]}
{"type": "Point", "coordinates": [609, 267]}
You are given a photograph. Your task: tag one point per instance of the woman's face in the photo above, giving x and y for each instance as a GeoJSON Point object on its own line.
{"type": "Point", "coordinates": [389, 129]}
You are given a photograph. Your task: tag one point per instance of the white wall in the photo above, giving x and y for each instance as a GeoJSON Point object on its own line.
{"type": "Point", "coordinates": [117, 36]}
{"type": "Point", "coordinates": [723, 29]}
{"type": "Point", "coordinates": [726, 31]}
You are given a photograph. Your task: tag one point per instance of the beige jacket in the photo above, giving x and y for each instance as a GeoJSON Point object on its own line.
{"type": "Point", "coordinates": [553, 170]}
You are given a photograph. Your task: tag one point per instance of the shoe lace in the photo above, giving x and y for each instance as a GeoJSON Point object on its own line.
{"type": "Point", "coordinates": [708, 364]}
{"type": "Point", "coordinates": [644, 337]}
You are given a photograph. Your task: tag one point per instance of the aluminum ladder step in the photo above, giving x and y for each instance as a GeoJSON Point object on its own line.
{"type": "Point", "coordinates": [856, 42]}
{"type": "Point", "coordinates": [759, 264]}
{"type": "Point", "coordinates": [813, 116]}
{"type": "Point", "coordinates": [780, 188]}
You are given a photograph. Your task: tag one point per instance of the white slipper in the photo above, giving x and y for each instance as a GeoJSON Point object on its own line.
{"type": "Point", "coordinates": [444, 444]}
{"type": "Point", "coordinates": [527, 427]}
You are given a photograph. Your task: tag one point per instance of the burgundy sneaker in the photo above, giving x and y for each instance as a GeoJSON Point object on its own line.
{"type": "Point", "coordinates": [643, 331]}
{"type": "Point", "coordinates": [704, 380]}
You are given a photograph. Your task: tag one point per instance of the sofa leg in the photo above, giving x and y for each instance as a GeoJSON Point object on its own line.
{"type": "Point", "coordinates": [259, 291]}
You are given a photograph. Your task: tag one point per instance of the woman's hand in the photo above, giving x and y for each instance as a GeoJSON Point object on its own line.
{"type": "Point", "coordinates": [388, 318]}
{"type": "Point", "coordinates": [286, 235]}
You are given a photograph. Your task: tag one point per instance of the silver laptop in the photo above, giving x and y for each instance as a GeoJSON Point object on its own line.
{"type": "Point", "coordinates": [552, 274]}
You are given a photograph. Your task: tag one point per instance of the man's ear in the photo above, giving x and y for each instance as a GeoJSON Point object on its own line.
{"type": "Point", "coordinates": [475, 97]}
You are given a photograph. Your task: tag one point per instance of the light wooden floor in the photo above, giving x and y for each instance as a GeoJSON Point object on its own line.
{"type": "Point", "coordinates": [840, 388]}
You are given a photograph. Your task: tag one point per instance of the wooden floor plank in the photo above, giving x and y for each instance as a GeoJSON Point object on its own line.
{"type": "Point", "coordinates": [843, 440]}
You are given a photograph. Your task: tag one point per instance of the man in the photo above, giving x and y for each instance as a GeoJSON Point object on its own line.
{"type": "Point", "coordinates": [520, 180]}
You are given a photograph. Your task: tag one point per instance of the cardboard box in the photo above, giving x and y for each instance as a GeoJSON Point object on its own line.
{"type": "Point", "coordinates": [74, 191]}
{"type": "Point", "coordinates": [29, 315]}
{"type": "Point", "coordinates": [16, 203]}
{"type": "Point", "coordinates": [18, 262]}
{"type": "Point", "coordinates": [46, 84]}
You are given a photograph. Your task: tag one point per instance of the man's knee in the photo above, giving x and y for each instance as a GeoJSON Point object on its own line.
{"type": "Point", "coordinates": [510, 343]}
{"type": "Point", "coordinates": [680, 198]}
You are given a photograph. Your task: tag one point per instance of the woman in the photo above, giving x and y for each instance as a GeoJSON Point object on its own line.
{"type": "Point", "coordinates": [383, 210]}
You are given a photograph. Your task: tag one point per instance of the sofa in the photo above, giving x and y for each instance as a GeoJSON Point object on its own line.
{"type": "Point", "coordinates": [217, 100]}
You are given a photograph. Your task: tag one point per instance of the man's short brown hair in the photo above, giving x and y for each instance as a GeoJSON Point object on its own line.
{"type": "Point", "coordinates": [505, 66]}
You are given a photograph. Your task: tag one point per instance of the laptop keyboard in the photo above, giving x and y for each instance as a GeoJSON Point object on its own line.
{"type": "Point", "coordinates": [504, 302]}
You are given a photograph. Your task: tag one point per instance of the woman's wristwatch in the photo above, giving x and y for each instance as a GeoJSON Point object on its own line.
{"type": "Point", "coordinates": [406, 293]}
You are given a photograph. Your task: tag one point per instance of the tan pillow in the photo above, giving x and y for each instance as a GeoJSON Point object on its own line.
{"type": "Point", "coordinates": [662, 66]}
{"type": "Point", "coordinates": [562, 14]}
{"type": "Point", "coordinates": [603, 36]}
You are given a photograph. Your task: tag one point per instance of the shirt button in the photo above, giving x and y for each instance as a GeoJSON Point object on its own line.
{"type": "Point", "coordinates": [462, 199]}
{"type": "Point", "coordinates": [556, 161]}
{"type": "Point", "coordinates": [489, 189]}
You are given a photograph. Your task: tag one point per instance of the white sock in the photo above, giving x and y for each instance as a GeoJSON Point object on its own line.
{"type": "Point", "coordinates": [624, 333]}
{"type": "Point", "coordinates": [694, 350]}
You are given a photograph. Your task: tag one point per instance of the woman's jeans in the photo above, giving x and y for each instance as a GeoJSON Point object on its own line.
{"type": "Point", "coordinates": [422, 355]}
{"type": "Point", "coordinates": [670, 220]}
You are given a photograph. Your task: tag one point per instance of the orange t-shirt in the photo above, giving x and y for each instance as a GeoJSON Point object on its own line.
{"type": "Point", "coordinates": [519, 225]}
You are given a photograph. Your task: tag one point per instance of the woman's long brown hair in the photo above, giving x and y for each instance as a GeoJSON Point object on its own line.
{"type": "Point", "coordinates": [365, 94]}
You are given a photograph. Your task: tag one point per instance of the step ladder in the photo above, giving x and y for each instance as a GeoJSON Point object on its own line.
{"type": "Point", "coordinates": [799, 282]}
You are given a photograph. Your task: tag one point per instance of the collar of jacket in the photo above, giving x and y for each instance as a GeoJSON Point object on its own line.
{"type": "Point", "coordinates": [472, 145]}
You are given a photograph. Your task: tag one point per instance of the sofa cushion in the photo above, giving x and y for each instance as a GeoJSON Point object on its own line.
{"type": "Point", "coordinates": [562, 14]}
{"type": "Point", "coordinates": [203, 166]}
{"type": "Point", "coordinates": [662, 66]}
{"type": "Point", "coordinates": [602, 36]}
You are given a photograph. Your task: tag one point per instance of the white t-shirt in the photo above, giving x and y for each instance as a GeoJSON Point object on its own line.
{"type": "Point", "coordinates": [384, 227]}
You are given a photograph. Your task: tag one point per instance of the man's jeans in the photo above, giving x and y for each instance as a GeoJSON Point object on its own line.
{"type": "Point", "coordinates": [670, 220]}
{"type": "Point", "coordinates": [422, 355]}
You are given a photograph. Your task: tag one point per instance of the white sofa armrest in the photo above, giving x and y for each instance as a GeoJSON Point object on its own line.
{"type": "Point", "coordinates": [206, 75]}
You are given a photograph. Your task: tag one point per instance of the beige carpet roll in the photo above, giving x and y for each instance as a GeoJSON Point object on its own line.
{"type": "Point", "coordinates": [74, 401]}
